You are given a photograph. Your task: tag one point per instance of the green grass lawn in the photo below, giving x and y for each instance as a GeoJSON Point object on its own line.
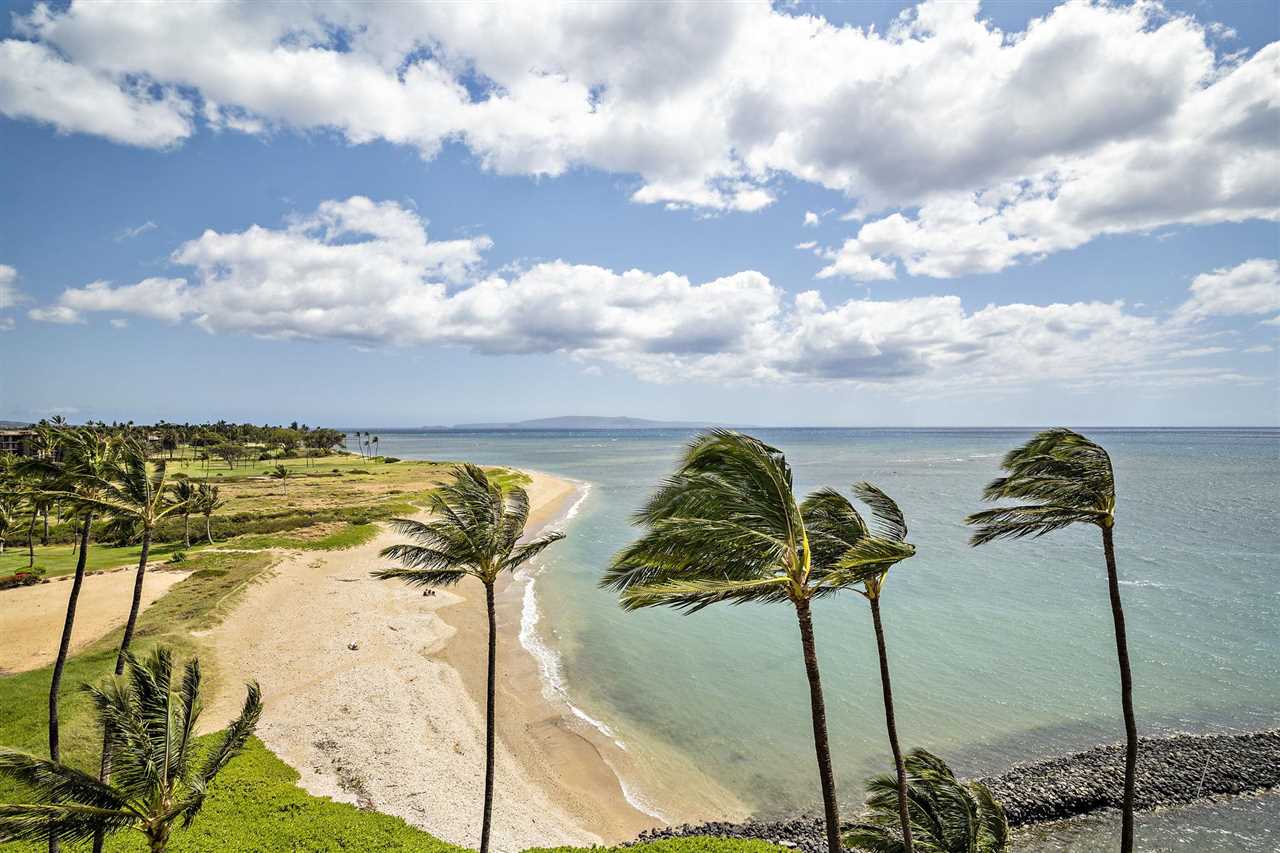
{"type": "Point", "coordinates": [346, 536]}
{"type": "Point", "coordinates": [61, 560]}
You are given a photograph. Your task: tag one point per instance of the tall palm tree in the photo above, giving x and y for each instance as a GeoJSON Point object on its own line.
{"type": "Point", "coordinates": [843, 544]}
{"type": "Point", "coordinates": [947, 815]}
{"type": "Point", "coordinates": [207, 503]}
{"type": "Point", "coordinates": [159, 776]}
{"type": "Point", "coordinates": [375, 445]}
{"type": "Point", "coordinates": [187, 494]}
{"type": "Point", "coordinates": [474, 530]}
{"type": "Point", "coordinates": [727, 527]}
{"type": "Point", "coordinates": [1063, 478]}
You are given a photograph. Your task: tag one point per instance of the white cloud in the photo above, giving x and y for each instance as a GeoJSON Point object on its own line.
{"type": "Point", "coordinates": [1250, 288]}
{"type": "Point", "coordinates": [9, 295]}
{"type": "Point", "coordinates": [941, 120]}
{"type": "Point", "coordinates": [811, 219]}
{"type": "Point", "coordinates": [807, 246]}
{"type": "Point", "coordinates": [37, 84]}
{"type": "Point", "coordinates": [137, 231]}
{"type": "Point", "coordinates": [366, 272]}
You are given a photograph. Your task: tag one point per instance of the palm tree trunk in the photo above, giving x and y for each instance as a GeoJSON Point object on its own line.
{"type": "Point", "coordinates": [105, 773]}
{"type": "Point", "coordinates": [1126, 695]}
{"type": "Point", "coordinates": [208, 531]}
{"type": "Point", "coordinates": [44, 537]}
{"type": "Point", "coordinates": [31, 539]}
{"type": "Point", "coordinates": [820, 744]}
{"type": "Point", "coordinates": [489, 720]}
{"type": "Point", "coordinates": [137, 601]}
{"type": "Point", "coordinates": [64, 650]}
{"type": "Point", "coordinates": [891, 724]}
{"type": "Point", "coordinates": [186, 529]}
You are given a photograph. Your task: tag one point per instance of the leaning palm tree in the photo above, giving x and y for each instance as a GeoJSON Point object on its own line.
{"type": "Point", "coordinates": [726, 527]}
{"type": "Point", "coordinates": [187, 494]}
{"type": "Point", "coordinates": [947, 815]}
{"type": "Point", "coordinates": [159, 775]}
{"type": "Point", "coordinates": [474, 530]}
{"type": "Point", "coordinates": [207, 503]}
{"type": "Point", "coordinates": [75, 465]}
{"type": "Point", "coordinates": [1064, 478]}
{"type": "Point", "coordinates": [845, 546]}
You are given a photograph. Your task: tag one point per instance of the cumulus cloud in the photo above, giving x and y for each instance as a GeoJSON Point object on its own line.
{"type": "Point", "coordinates": [368, 273]}
{"type": "Point", "coordinates": [1251, 288]}
{"type": "Point", "coordinates": [936, 126]}
{"type": "Point", "coordinates": [811, 219]}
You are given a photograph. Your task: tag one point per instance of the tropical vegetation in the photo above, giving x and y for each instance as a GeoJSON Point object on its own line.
{"type": "Point", "coordinates": [946, 815]}
{"type": "Point", "coordinates": [475, 530]}
{"type": "Point", "coordinates": [1060, 478]}
{"type": "Point", "coordinates": [158, 777]}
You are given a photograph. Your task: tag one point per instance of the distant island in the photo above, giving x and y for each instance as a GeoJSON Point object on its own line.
{"type": "Point", "coordinates": [585, 422]}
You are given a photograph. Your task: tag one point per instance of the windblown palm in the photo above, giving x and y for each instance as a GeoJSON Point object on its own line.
{"type": "Point", "coordinates": [726, 527]}
{"type": "Point", "coordinates": [947, 815]}
{"type": "Point", "coordinates": [158, 776]}
{"type": "Point", "coordinates": [207, 503]}
{"type": "Point", "coordinates": [846, 547]}
{"type": "Point", "coordinates": [1062, 478]}
{"type": "Point", "coordinates": [186, 493]}
{"type": "Point", "coordinates": [474, 530]}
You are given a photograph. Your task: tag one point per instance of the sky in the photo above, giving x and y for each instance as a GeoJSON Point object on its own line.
{"type": "Point", "coordinates": [935, 214]}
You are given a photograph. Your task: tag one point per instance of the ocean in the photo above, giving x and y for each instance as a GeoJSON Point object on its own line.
{"type": "Point", "coordinates": [999, 654]}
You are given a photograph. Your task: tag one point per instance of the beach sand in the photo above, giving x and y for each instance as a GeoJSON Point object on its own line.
{"type": "Point", "coordinates": [31, 617]}
{"type": "Point", "coordinates": [370, 692]}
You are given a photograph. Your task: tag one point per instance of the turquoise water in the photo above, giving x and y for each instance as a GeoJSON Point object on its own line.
{"type": "Point", "coordinates": [999, 654]}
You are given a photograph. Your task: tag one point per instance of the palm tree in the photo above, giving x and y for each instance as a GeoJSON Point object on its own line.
{"type": "Point", "coordinates": [726, 527]}
{"type": "Point", "coordinates": [947, 815]}
{"type": "Point", "coordinates": [158, 779]}
{"type": "Point", "coordinates": [843, 543]}
{"type": "Point", "coordinates": [207, 502]}
{"type": "Point", "coordinates": [133, 494]}
{"type": "Point", "coordinates": [375, 445]}
{"type": "Point", "coordinates": [77, 463]}
{"type": "Point", "coordinates": [474, 530]}
{"type": "Point", "coordinates": [10, 512]}
{"type": "Point", "coordinates": [281, 473]}
{"type": "Point", "coordinates": [1067, 479]}
{"type": "Point", "coordinates": [186, 493]}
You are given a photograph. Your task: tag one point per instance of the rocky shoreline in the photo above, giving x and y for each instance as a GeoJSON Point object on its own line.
{"type": "Point", "coordinates": [1171, 771]}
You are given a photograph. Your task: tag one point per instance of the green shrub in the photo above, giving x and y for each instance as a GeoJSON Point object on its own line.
{"type": "Point", "coordinates": [390, 459]}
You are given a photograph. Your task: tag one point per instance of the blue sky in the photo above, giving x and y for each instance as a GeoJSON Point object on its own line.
{"type": "Point", "coordinates": [1042, 243]}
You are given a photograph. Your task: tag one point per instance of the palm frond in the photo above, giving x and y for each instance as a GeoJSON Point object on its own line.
{"type": "Point", "coordinates": [522, 554]}
{"type": "Point", "coordinates": [421, 577]}
{"type": "Point", "coordinates": [237, 734]}
{"type": "Point", "coordinates": [1061, 477]}
{"type": "Point", "coordinates": [66, 821]}
{"type": "Point", "coordinates": [890, 522]}
{"type": "Point", "coordinates": [692, 595]}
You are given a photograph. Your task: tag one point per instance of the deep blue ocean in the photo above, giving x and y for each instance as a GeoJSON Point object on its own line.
{"type": "Point", "coordinates": [999, 654]}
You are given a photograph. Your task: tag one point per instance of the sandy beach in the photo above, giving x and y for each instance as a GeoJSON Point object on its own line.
{"type": "Point", "coordinates": [31, 617]}
{"type": "Point", "coordinates": [370, 691]}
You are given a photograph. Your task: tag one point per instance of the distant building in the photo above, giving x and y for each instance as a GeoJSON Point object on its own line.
{"type": "Point", "coordinates": [19, 442]}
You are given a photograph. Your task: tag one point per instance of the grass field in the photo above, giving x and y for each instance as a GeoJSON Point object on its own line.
{"type": "Point", "coordinates": [61, 559]}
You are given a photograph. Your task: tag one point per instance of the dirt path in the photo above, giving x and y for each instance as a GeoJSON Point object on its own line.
{"type": "Point", "coordinates": [31, 617]}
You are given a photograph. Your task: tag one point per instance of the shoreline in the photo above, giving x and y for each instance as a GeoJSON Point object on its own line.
{"type": "Point", "coordinates": [1175, 770]}
{"type": "Point", "coordinates": [374, 693]}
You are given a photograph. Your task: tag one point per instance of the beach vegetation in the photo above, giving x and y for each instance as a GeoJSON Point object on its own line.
{"type": "Point", "coordinates": [1057, 479]}
{"type": "Point", "coordinates": [159, 776]}
{"type": "Point", "coordinates": [946, 815]}
{"type": "Point", "coordinates": [475, 530]}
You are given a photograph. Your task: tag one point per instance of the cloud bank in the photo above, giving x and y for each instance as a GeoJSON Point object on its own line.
{"type": "Point", "coordinates": [367, 272]}
{"type": "Point", "coordinates": [964, 148]}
